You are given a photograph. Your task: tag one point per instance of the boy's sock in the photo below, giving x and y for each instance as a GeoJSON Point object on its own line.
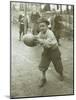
{"type": "Point", "coordinates": [43, 81]}
{"type": "Point", "coordinates": [61, 77]}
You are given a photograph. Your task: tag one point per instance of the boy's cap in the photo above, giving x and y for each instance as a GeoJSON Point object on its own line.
{"type": "Point", "coordinates": [41, 20]}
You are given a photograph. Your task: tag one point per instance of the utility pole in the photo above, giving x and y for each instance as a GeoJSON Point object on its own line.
{"type": "Point", "coordinates": [61, 9]}
{"type": "Point", "coordinates": [25, 18]}
{"type": "Point", "coordinates": [57, 6]}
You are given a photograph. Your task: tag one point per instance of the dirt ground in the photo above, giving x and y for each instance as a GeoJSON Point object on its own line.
{"type": "Point", "coordinates": [25, 75]}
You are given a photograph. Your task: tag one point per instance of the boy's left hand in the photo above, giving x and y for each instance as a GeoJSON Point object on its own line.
{"type": "Point", "coordinates": [41, 42]}
{"type": "Point", "coordinates": [36, 39]}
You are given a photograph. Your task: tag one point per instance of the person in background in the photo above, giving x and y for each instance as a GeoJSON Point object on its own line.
{"type": "Point", "coordinates": [34, 17]}
{"type": "Point", "coordinates": [48, 14]}
{"type": "Point", "coordinates": [21, 26]}
{"type": "Point", "coordinates": [51, 51]}
{"type": "Point", "coordinates": [57, 26]}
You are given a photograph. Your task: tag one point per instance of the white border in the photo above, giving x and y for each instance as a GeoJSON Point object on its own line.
{"type": "Point", "coordinates": [5, 48]}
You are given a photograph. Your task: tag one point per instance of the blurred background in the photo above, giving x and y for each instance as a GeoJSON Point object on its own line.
{"type": "Point", "coordinates": [45, 10]}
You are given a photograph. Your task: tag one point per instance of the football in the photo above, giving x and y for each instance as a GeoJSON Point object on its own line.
{"type": "Point", "coordinates": [28, 40]}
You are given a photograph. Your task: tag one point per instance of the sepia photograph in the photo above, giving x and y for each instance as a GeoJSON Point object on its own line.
{"type": "Point", "coordinates": [41, 49]}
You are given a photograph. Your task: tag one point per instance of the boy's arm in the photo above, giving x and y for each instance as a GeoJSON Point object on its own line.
{"type": "Point", "coordinates": [49, 42]}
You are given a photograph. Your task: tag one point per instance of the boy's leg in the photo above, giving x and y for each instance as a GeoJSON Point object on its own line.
{"type": "Point", "coordinates": [44, 64]}
{"type": "Point", "coordinates": [20, 32]}
{"type": "Point", "coordinates": [56, 59]}
{"type": "Point", "coordinates": [43, 80]}
{"type": "Point", "coordinates": [20, 36]}
{"type": "Point", "coordinates": [59, 68]}
{"type": "Point", "coordinates": [23, 29]}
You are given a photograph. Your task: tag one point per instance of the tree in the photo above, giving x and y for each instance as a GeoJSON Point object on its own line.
{"type": "Point", "coordinates": [57, 6]}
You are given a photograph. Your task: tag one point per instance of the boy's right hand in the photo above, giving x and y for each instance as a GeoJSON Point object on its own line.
{"type": "Point", "coordinates": [36, 40]}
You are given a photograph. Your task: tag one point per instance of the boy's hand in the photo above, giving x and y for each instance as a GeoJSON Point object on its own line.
{"type": "Point", "coordinates": [36, 39]}
{"type": "Point", "coordinates": [41, 41]}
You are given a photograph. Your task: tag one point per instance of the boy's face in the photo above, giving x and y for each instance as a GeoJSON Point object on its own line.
{"type": "Point", "coordinates": [43, 27]}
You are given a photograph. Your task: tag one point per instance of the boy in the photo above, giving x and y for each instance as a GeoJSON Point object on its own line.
{"type": "Point", "coordinates": [51, 51]}
{"type": "Point", "coordinates": [21, 27]}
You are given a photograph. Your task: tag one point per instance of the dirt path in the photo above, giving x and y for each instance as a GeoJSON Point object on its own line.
{"type": "Point", "coordinates": [26, 76]}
